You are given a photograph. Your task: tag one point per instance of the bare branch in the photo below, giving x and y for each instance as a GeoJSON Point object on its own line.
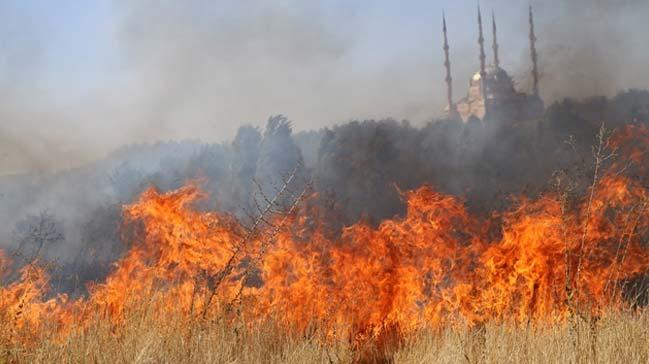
{"type": "Point", "coordinates": [230, 264]}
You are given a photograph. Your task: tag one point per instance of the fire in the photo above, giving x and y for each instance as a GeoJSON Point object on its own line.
{"type": "Point", "coordinates": [176, 247]}
{"type": "Point", "coordinates": [436, 266]}
{"type": "Point", "coordinates": [23, 311]}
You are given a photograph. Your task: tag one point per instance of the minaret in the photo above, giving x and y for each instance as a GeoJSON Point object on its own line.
{"type": "Point", "coordinates": [447, 65]}
{"type": "Point", "coordinates": [481, 43]}
{"type": "Point", "coordinates": [535, 71]}
{"type": "Point", "coordinates": [483, 73]}
{"type": "Point", "coordinates": [495, 40]}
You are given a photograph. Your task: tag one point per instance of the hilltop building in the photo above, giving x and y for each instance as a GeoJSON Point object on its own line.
{"type": "Point", "coordinates": [492, 95]}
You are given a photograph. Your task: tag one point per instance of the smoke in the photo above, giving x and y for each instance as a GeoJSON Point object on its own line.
{"type": "Point", "coordinates": [590, 47]}
{"type": "Point", "coordinates": [203, 68]}
{"type": "Point", "coordinates": [20, 60]}
{"type": "Point", "coordinates": [201, 63]}
{"type": "Point", "coordinates": [200, 69]}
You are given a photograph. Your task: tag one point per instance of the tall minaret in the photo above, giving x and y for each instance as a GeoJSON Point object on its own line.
{"type": "Point", "coordinates": [481, 43]}
{"type": "Point", "coordinates": [535, 71]}
{"type": "Point", "coordinates": [447, 64]}
{"type": "Point", "coordinates": [483, 73]}
{"type": "Point", "coordinates": [495, 40]}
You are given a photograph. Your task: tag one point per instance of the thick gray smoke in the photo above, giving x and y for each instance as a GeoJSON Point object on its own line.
{"type": "Point", "coordinates": [207, 62]}
{"type": "Point", "coordinates": [212, 66]}
{"type": "Point", "coordinates": [200, 69]}
{"type": "Point", "coordinates": [592, 47]}
{"type": "Point", "coordinates": [20, 61]}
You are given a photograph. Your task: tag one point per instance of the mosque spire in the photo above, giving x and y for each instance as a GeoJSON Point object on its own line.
{"type": "Point", "coordinates": [533, 54]}
{"type": "Point", "coordinates": [495, 40]}
{"type": "Point", "coordinates": [447, 65]}
{"type": "Point", "coordinates": [483, 73]}
{"type": "Point", "coordinates": [481, 42]}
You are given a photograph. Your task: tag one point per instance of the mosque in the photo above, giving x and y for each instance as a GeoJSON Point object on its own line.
{"type": "Point", "coordinates": [492, 95]}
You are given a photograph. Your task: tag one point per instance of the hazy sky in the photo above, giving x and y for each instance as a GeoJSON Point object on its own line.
{"type": "Point", "coordinates": [80, 78]}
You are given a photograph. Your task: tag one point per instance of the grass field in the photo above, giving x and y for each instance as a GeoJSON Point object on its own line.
{"type": "Point", "coordinates": [616, 338]}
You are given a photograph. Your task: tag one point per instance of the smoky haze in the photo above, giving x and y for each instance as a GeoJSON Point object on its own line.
{"type": "Point", "coordinates": [200, 69]}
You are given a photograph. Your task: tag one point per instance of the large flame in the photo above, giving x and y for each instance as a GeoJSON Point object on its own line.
{"type": "Point", "coordinates": [436, 266]}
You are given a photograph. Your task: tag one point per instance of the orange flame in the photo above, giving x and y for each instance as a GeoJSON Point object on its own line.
{"type": "Point", "coordinates": [436, 266]}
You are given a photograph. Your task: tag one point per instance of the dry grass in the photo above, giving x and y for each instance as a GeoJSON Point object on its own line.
{"type": "Point", "coordinates": [615, 339]}
{"type": "Point", "coordinates": [618, 338]}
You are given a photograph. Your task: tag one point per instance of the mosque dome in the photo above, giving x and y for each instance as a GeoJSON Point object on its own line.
{"type": "Point", "coordinates": [492, 93]}
{"type": "Point", "coordinates": [493, 73]}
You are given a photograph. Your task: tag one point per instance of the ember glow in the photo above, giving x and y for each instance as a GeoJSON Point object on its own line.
{"type": "Point", "coordinates": [437, 266]}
